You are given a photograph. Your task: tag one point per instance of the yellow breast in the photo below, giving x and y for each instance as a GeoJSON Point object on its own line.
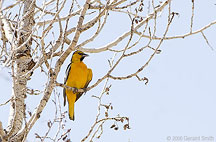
{"type": "Point", "coordinates": [78, 75]}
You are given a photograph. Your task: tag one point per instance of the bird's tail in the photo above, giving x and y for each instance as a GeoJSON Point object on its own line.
{"type": "Point", "coordinates": [71, 100]}
{"type": "Point", "coordinates": [71, 110]}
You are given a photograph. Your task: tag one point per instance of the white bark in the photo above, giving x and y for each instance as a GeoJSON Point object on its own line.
{"type": "Point", "coordinates": [21, 62]}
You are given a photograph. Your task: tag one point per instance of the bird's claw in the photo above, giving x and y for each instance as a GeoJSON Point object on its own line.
{"type": "Point", "coordinates": [75, 90]}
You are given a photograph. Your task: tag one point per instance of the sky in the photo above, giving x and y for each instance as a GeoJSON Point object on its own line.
{"type": "Point", "coordinates": [177, 103]}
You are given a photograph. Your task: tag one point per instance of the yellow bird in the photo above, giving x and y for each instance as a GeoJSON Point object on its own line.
{"type": "Point", "coordinates": [78, 76]}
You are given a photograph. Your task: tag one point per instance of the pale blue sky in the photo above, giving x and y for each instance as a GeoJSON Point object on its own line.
{"type": "Point", "coordinates": [179, 99]}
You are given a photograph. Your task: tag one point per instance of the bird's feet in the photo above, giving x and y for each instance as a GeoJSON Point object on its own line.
{"type": "Point", "coordinates": [75, 90]}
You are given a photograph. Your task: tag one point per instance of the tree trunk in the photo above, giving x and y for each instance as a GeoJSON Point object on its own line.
{"type": "Point", "coordinates": [22, 62]}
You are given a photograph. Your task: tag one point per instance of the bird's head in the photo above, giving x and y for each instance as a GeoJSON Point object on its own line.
{"type": "Point", "coordinates": [78, 56]}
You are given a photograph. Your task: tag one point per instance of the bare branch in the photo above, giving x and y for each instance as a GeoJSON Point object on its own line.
{"type": "Point", "coordinates": [207, 40]}
{"type": "Point", "coordinates": [5, 102]}
{"type": "Point", "coordinates": [180, 36]}
{"type": "Point", "coordinates": [123, 36]}
{"type": "Point", "coordinates": [192, 17]}
{"type": "Point", "coordinates": [148, 61]}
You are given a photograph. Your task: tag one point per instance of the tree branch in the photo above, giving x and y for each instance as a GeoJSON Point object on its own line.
{"type": "Point", "coordinates": [123, 36]}
{"type": "Point", "coordinates": [53, 75]}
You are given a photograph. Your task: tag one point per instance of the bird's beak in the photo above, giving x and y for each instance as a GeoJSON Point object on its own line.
{"type": "Point", "coordinates": [84, 55]}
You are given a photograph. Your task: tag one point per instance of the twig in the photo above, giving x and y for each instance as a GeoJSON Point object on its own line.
{"type": "Point", "coordinates": [179, 36]}
{"type": "Point", "coordinates": [192, 17]}
{"type": "Point", "coordinates": [155, 52]}
{"type": "Point", "coordinates": [5, 102]}
{"type": "Point", "coordinates": [207, 40]}
{"type": "Point", "coordinates": [123, 36]}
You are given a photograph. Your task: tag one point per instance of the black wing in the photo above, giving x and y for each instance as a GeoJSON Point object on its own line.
{"type": "Point", "coordinates": [65, 80]}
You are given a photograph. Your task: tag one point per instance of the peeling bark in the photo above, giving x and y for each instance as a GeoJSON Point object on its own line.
{"type": "Point", "coordinates": [22, 62]}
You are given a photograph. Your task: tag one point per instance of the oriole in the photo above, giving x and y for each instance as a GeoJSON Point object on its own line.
{"type": "Point", "coordinates": [78, 76]}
